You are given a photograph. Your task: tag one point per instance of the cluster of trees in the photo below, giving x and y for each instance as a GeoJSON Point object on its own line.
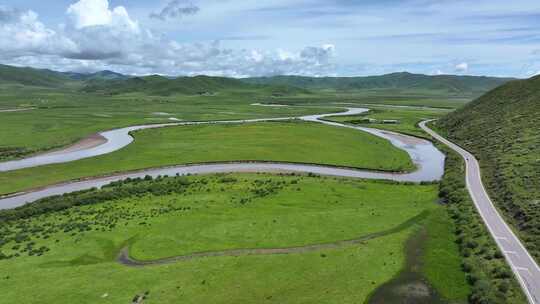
{"type": "Point", "coordinates": [487, 271]}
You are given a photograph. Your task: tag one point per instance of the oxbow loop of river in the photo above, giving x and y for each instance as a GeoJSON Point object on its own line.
{"type": "Point", "coordinates": [428, 160]}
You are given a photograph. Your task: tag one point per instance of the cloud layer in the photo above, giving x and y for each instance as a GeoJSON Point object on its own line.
{"type": "Point", "coordinates": [267, 37]}
{"type": "Point", "coordinates": [98, 36]}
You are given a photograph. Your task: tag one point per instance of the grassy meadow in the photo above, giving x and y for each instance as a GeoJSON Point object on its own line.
{"type": "Point", "coordinates": [408, 118]}
{"type": "Point", "coordinates": [267, 141]}
{"type": "Point", "coordinates": [69, 255]}
{"type": "Point", "coordinates": [61, 118]}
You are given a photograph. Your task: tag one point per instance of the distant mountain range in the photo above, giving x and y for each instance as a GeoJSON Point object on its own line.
{"type": "Point", "coordinates": [109, 82]}
{"type": "Point", "coordinates": [32, 77]}
{"type": "Point", "coordinates": [403, 81]}
{"type": "Point", "coordinates": [102, 75]}
{"type": "Point", "coordinates": [159, 85]}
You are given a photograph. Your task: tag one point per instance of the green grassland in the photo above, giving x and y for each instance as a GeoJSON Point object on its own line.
{"type": "Point", "coordinates": [408, 118]}
{"type": "Point", "coordinates": [69, 256]}
{"type": "Point", "coordinates": [268, 141]}
{"type": "Point", "coordinates": [418, 98]}
{"type": "Point", "coordinates": [440, 249]}
{"type": "Point", "coordinates": [61, 118]}
{"type": "Point", "coordinates": [68, 109]}
{"type": "Point", "coordinates": [450, 85]}
{"type": "Point", "coordinates": [71, 106]}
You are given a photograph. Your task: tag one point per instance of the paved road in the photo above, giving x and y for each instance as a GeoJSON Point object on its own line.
{"type": "Point", "coordinates": [519, 259]}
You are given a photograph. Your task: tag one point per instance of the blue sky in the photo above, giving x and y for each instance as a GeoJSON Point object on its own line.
{"type": "Point", "coordinates": [242, 38]}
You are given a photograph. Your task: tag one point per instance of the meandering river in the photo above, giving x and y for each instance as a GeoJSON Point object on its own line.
{"type": "Point", "coordinates": [428, 160]}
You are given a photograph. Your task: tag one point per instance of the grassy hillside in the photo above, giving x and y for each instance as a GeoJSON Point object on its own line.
{"type": "Point", "coordinates": [31, 77]}
{"type": "Point", "coordinates": [159, 85]}
{"type": "Point", "coordinates": [447, 83]}
{"type": "Point", "coordinates": [101, 75]}
{"type": "Point", "coordinates": [502, 128]}
{"type": "Point", "coordinates": [198, 85]}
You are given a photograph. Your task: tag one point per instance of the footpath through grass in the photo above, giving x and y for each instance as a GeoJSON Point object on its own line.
{"type": "Point", "coordinates": [51, 257]}
{"type": "Point", "coordinates": [272, 141]}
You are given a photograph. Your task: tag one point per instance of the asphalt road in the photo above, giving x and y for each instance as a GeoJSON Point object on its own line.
{"type": "Point", "coordinates": [519, 259]}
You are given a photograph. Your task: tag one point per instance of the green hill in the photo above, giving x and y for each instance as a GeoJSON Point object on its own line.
{"type": "Point", "coordinates": [32, 77]}
{"type": "Point", "coordinates": [163, 86]}
{"type": "Point", "coordinates": [101, 75]}
{"type": "Point", "coordinates": [403, 81]}
{"type": "Point", "coordinates": [502, 128]}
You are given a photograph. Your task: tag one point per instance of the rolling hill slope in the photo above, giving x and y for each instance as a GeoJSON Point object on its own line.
{"type": "Point", "coordinates": [502, 129]}
{"type": "Point", "coordinates": [32, 77]}
{"type": "Point", "coordinates": [406, 81]}
{"type": "Point", "coordinates": [198, 85]}
{"type": "Point", "coordinates": [101, 75]}
{"type": "Point", "coordinates": [159, 85]}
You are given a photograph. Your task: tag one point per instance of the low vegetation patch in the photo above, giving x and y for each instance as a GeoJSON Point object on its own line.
{"type": "Point", "coordinates": [71, 239]}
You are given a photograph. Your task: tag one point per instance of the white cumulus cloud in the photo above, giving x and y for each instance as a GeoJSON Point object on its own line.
{"type": "Point", "coordinates": [100, 37]}
{"type": "Point", "coordinates": [462, 67]}
{"type": "Point", "coordinates": [87, 13]}
{"type": "Point", "coordinates": [22, 34]}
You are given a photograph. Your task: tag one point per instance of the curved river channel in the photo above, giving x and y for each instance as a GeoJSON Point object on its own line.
{"type": "Point", "coordinates": [428, 160]}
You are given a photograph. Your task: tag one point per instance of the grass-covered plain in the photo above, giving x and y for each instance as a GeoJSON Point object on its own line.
{"type": "Point", "coordinates": [69, 255]}
{"type": "Point", "coordinates": [60, 118]}
{"type": "Point", "coordinates": [63, 115]}
{"type": "Point", "coordinates": [408, 118]}
{"type": "Point", "coordinates": [270, 141]}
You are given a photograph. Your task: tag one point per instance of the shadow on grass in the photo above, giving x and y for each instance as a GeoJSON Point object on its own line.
{"type": "Point", "coordinates": [109, 252]}
{"type": "Point", "coordinates": [409, 286]}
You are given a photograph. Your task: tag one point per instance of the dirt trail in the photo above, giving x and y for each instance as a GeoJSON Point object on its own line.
{"type": "Point", "coordinates": [125, 259]}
